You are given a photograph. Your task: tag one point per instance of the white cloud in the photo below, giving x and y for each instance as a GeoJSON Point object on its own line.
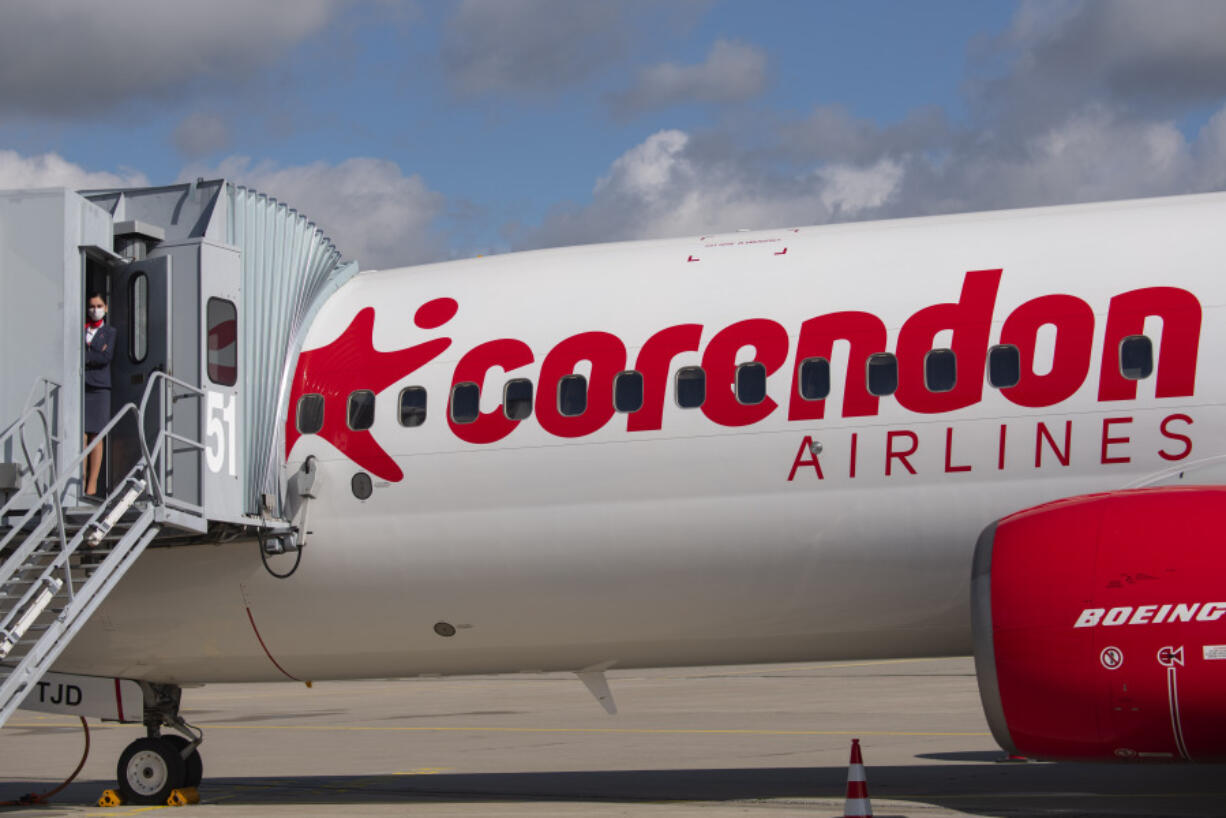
{"type": "Point", "coordinates": [848, 189]}
{"type": "Point", "coordinates": [73, 57]}
{"type": "Point", "coordinates": [664, 187]}
{"type": "Point", "coordinates": [53, 170]}
{"type": "Point", "coordinates": [201, 134]}
{"type": "Point", "coordinates": [373, 212]}
{"type": "Point", "coordinates": [732, 72]}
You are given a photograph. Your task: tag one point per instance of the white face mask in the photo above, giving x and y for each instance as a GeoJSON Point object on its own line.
{"type": "Point", "coordinates": [97, 313]}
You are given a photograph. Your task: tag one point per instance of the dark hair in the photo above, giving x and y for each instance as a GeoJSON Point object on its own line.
{"type": "Point", "coordinates": [96, 295]}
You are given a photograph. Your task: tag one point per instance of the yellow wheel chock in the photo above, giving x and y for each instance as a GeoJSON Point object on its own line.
{"type": "Point", "coordinates": [110, 798]}
{"type": "Point", "coordinates": [183, 797]}
{"type": "Point", "coordinates": [178, 798]}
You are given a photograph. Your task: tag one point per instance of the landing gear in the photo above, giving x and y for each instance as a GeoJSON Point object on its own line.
{"type": "Point", "coordinates": [151, 768]}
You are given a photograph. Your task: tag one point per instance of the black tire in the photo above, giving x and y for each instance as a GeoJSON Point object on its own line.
{"type": "Point", "coordinates": [148, 769]}
{"type": "Point", "coordinates": [193, 766]}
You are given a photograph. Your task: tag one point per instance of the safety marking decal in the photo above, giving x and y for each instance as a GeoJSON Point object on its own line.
{"type": "Point", "coordinates": [1170, 656]}
{"type": "Point", "coordinates": [1214, 652]}
{"type": "Point", "coordinates": [1112, 658]}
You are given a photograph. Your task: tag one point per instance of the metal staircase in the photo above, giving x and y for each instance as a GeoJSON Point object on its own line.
{"type": "Point", "coordinates": [60, 558]}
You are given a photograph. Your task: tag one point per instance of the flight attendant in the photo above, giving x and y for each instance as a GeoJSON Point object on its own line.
{"type": "Point", "coordinates": [99, 349]}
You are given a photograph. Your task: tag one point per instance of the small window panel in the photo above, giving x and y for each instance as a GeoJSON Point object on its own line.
{"type": "Point", "coordinates": [412, 406]}
{"type": "Point", "coordinates": [138, 309]}
{"type": "Point", "coordinates": [691, 387]}
{"type": "Point", "coordinates": [1136, 357]}
{"type": "Point", "coordinates": [882, 374]}
{"type": "Point", "coordinates": [1004, 366]}
{"type": "Point", "coordinates": [222, 321]}
{"type": "Point", "coordinates": [465, 402]}
{"type": "Point", "coordinates": [940, 370]}
{"type": "Point", "coordinates": [628, 391]}
{"type": "Point", "coordinates": [815, 379]}
{"type": "Point", "coordinates": [751, 383]}
{"type": "Point", "coordinates": [517, 399]}
{"type": "Point", "coordinates": [572, 395]}
{"type": "Point", "coordinates": [310, 417]}
{"type": "Point", "coordinates": [361, 410]}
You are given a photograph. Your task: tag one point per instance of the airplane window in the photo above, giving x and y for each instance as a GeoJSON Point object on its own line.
{"type": "Point", "coordinates": [222, 336]}
{"type": "Point", "coordinates": [1136, 357]}
{"type": "Point", "coordinates": [691, 387]}
{"type": "Point", "coordinates": [1004, 366]}
{"type": "Point", "coordinates": [138, 310]}
{"type": "Point", "coordinates": [517, 399]}
{"type": "Point", "coordinates": [413, 406]}
{"type": "Point", "coordinates": [882, 374]}
{"type": "Point", "coordinates": [751, 383]}
{"type": "Point", "coordinates": [310, 414]}
{"type": "Point", "coordinates": [465, 402]}
{"type": "Point", "coordinates": [814, 378]}
{"type": "Point", "coordinates": [572, 395]}
{"type": "Point", "coordinates": [940, 370]}
{"type": "Point", "coordinates": [628, 391]}
{"type": "Point", "coordinates": [361, 410]}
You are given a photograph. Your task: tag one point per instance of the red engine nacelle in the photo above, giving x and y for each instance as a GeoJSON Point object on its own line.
{"type": "Point", "coordinates": [1100, 627]}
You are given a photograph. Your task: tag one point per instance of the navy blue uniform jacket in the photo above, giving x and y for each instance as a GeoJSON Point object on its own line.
{"type": "Point", "coordinates": [98, 354]}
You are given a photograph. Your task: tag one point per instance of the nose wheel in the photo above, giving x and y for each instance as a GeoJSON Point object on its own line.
{"type": "Point", "coordinates": [149, 769]}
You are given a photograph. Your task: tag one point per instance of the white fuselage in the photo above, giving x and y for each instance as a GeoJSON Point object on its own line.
{"type": "Point", "coordinates": [697, 542]}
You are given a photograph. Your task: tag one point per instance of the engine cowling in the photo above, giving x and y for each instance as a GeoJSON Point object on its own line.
{"type": "Point", "coordinates": [1100, 627]}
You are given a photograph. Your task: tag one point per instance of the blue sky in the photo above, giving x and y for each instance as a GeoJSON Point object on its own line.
{"type": "Point", "coordinates": [420, 131]}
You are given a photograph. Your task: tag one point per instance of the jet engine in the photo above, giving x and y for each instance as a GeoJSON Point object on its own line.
{"type": "Point", "coordinates": [1100, 627]}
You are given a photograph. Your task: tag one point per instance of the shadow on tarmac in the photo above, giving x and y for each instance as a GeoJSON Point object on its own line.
{"type": "Point", "coordinates": [978, 788]}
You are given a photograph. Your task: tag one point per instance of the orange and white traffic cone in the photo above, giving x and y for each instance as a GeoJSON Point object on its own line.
{"type": "Point", "coordinates": [857, 804]}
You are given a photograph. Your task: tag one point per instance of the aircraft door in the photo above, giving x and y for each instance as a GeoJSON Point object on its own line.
{"type": "Point", "coordinates": [140, 312]}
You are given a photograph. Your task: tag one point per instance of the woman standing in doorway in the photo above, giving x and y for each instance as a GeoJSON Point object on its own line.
{"type": "Point", "coordinates": [99, 349]}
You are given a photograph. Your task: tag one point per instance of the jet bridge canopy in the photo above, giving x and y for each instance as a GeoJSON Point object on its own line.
{"type": "Point", "coordinates": [208, 281]}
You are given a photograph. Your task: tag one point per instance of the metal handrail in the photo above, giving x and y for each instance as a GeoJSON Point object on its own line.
{"type": "Point", "coordinates": [48, 387]}
{"type": "Point", "coordinates": [53, 494]}
{"type": "Point", "coordinates": [25, 449]}
{"type": "Point", "coordinates": [158, 455]}
{"type": "Point", "coordinates": [15, 432]}
{"type": "Point", "coordinates": [69, 585]}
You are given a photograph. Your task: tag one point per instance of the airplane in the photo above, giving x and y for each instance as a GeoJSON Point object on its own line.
{"type": "Point", "coordinates": [997, 434]}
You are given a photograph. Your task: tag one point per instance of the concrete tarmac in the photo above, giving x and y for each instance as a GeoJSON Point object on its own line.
{"type": "Point", "coordinates": [764, 740]}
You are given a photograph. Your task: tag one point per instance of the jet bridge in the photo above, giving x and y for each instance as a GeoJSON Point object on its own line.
{"type": "Point", "coordinates": [210, 287]}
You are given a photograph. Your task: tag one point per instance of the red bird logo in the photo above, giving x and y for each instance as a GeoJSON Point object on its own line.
{"type": "Point", "coordinates": [350, 363]}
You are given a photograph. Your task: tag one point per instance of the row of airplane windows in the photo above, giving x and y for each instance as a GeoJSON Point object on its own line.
{"type": "Point", "coordinates": [749, 386]}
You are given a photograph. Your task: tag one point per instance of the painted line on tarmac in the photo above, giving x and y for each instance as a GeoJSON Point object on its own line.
{"type": "Point", "coordinates": [589, 730]}
{"type": "Point", "coordinates": [768, 670]}
{"type": "Point", "coordinates": [357, 728]}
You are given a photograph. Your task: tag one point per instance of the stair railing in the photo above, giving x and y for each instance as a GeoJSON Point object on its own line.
{"type": "Point", "coordinates": [170, 390]}
{"type": "Point", "coordinates": [52, 496]}
{"type": "Point", "coordinates": [41, 401]}
{"type": "Point", "coordinates": [152, 461]}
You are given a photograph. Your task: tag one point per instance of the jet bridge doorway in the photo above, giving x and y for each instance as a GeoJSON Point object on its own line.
{"type": "Point", "coordinates": [142, 315]}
